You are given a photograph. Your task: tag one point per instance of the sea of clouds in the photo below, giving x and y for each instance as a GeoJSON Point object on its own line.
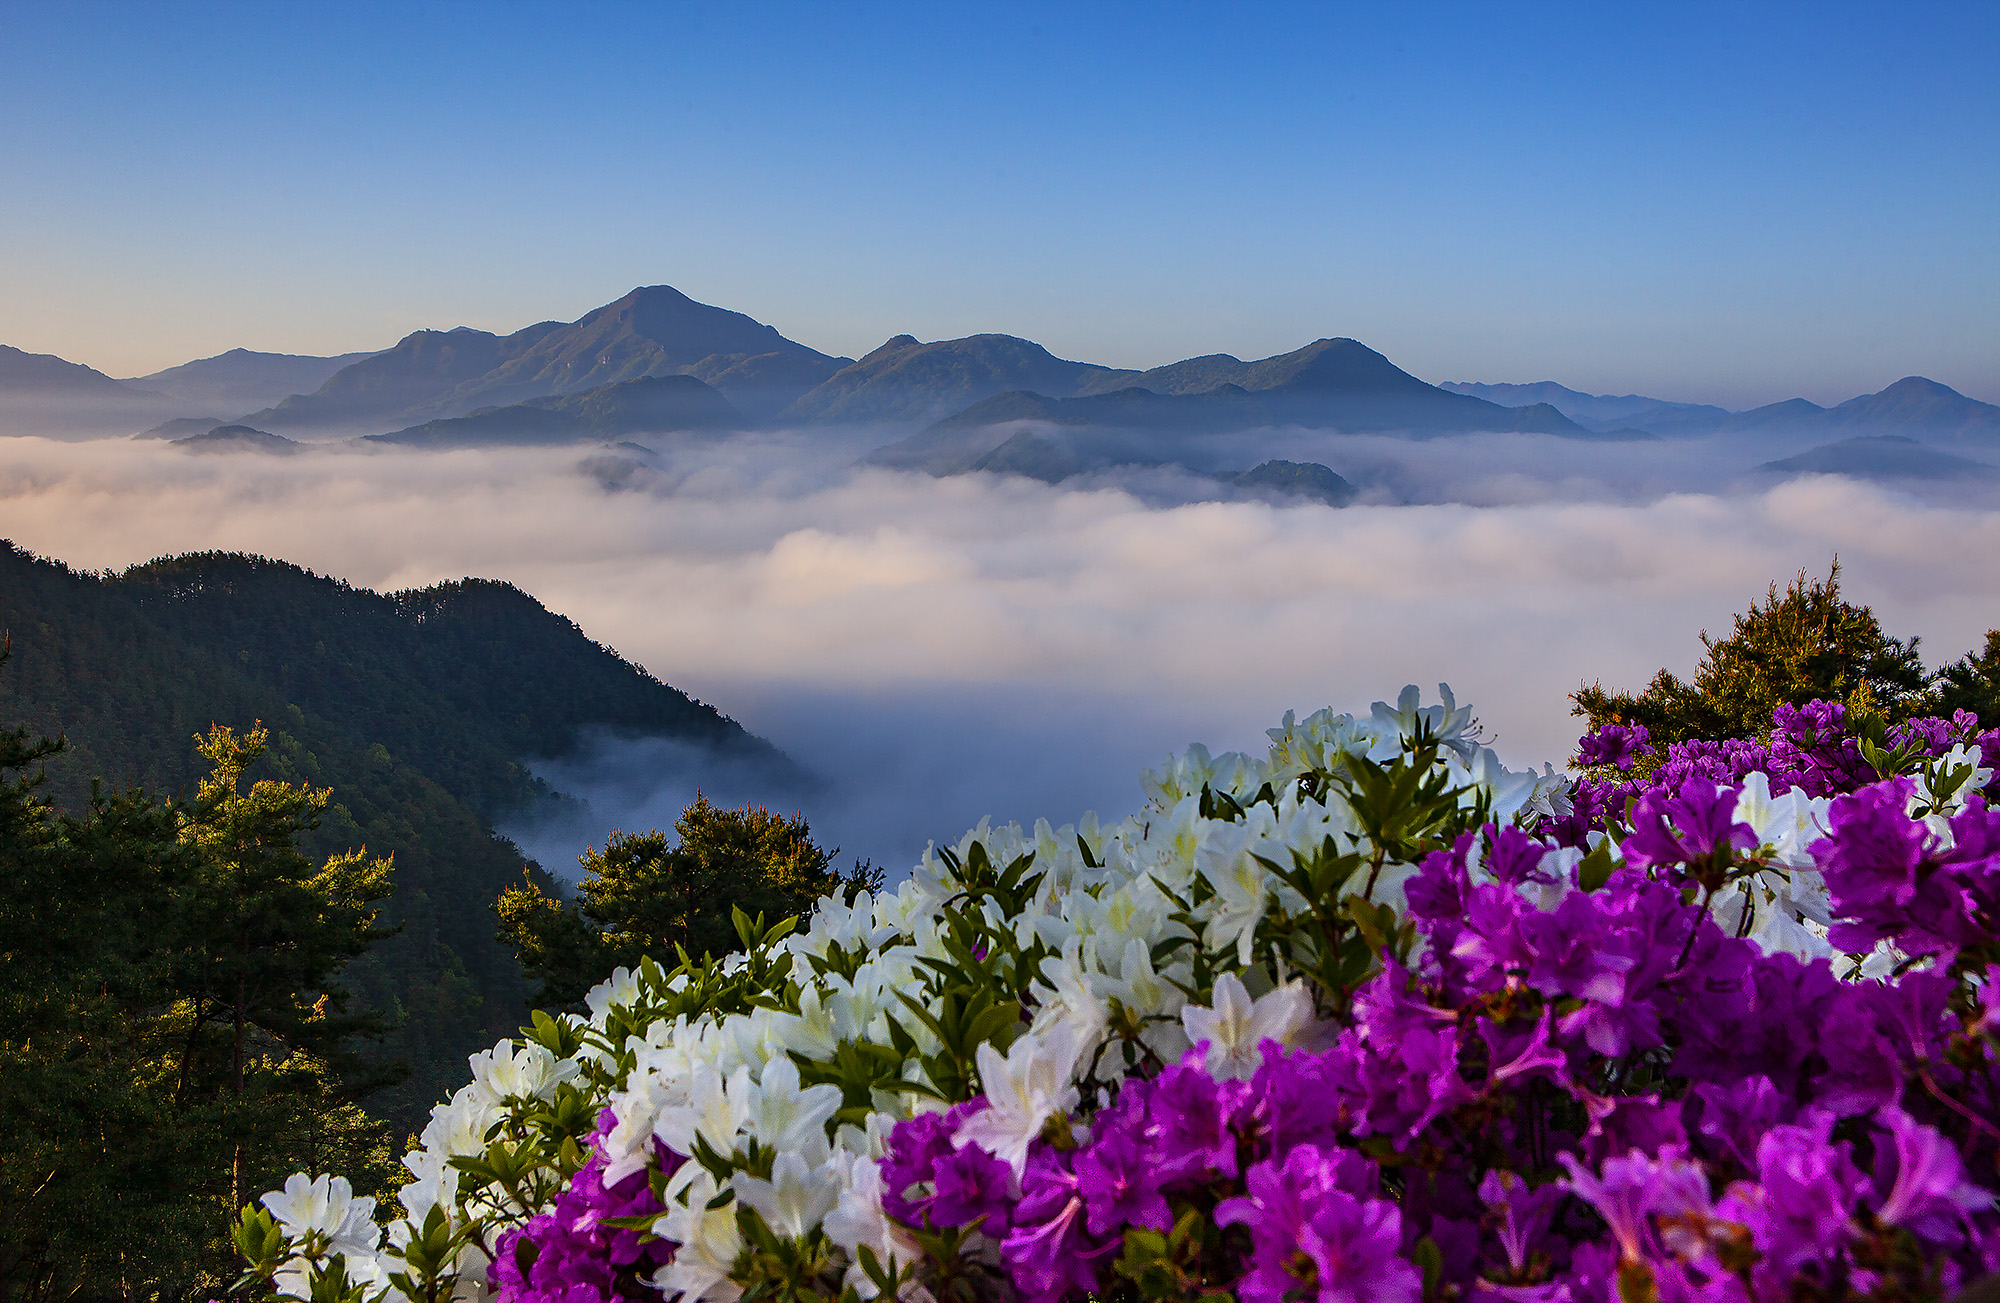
{"type": "Point", "coordinates": [938, 650]}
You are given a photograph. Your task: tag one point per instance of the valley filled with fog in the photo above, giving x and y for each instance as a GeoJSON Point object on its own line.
{"type": "Point", "coordinates": [938, 650]}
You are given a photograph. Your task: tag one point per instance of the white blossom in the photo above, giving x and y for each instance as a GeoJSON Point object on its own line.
{"type": "Point", "coordinates": [798, 1196]}
{"type": "Point", "coordinates": [1023, 1091]}
{"type": "Point", "coordinates": [325, 1207]}
{"type": "Point", "coordinates": [1235, 1026]}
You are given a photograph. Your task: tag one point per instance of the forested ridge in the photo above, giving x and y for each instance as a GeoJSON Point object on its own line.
{"type": "Point", "coordinates": [418, 708]}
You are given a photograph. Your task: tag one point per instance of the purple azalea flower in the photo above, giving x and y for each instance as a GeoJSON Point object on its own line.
{"type": "Point", "coordinates": [1408, 1084]}
{"type": "Point", "coordinates": [1119, 1180]}
{"type": "Point", "coordinates": [1522, 1054]}
{"type": "Point", "coordinates": [1439, 887]}
{"type": "Point", "coordinates": [1301, 1098]}
{"type": "Point", "coordinates": [1189, 1117]}
{"type": "Point", "coordinates": [1387, 1007]}
{"type": "Point", "coordinates": [1811, 749]}
{"type": "Point", "coordinates": [1490, 944]}
{"type": "Point", "coordinates": [569, 1255]}
{"type": "Point", "coordinates": [1309, 1232]}
{"type": "Point", "coordinates": [1736, 1118]}
{"type": "Point", "coordinates": [1621, 1124]}
{"type": "Point", "coordinates": [1051, 1251]}
{"type": "Point", "coordinates": [1695, 825]}
{"type": "Point", "coordinates": [1614, 744]}
{"type": "Point", "coordinates": [1870, 858]}
{"type": "Point", "coordinates": [1514, 857]}
{"type": "Point", "coordinates": [1521, 1216]}
{"type": "Point", "coordinates": [1634, 1190]}
{"type": "Point", "coordinates": [926, 1178]}
{"type": "Point", "coordinates": [1799, 1211]}
{"type": "Point", "coordinates": [1920, 1180]}
{"type": "Point", "coordinates": [1577, 951]}
{"type": "Point", "coordinates": [1864, 1071]}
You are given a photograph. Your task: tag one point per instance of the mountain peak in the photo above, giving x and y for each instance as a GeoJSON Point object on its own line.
{"type": "Point", "coordinates": [1922, 385]}
{"type": "Point", "coordinates": [891, 347]}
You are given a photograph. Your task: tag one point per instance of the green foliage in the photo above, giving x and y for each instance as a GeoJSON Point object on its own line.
{"type": "Point", "coordinates": [642, 896]}
{"type": "Point", "coordinates": [172, 1040]}
{"type": "Point", "coordinates": [1973, 683]}
{"type": "Point", "coordinates": [418, 708]}
{"type": "Point", "coordinates": [1804, 644]}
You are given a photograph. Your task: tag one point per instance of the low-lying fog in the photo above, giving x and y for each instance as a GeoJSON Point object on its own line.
{"type": "Point", "coordinates": [939, 650]}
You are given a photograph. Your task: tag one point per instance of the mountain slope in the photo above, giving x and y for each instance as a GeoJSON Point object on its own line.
{"type": "Point", "coordinates": [653, 405]}
{"type": "Point", "coordinates": [46, 373]}
{"type": "Point", "coordinates": [417, 707]}
{"type": "Point", "coordinates": [1598, 411]}
{"type": "Point", "coordinates": [653, 331]}
{"type": "Point", "coordinates": [41, 393]}
{"type": "Point", "coordinates": [240, 380]}
{"type": "Point", "coordinates": [1882, 456]}
{"type": "Point", "coordinates": [1915, 403]}
{"type": "Point", "coordinates": [1325, 364]}
{"type": "Point", "coordinates": [419, 371]}
{"type": "Point", "coordinates": [907, 381]}
{"type": "Point", "coordinates": [238, 438]}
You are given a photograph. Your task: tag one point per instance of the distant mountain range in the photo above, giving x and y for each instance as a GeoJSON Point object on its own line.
{"type": "Point", "coordinates": [1593, 411]}
{"type": "Point", "coordinates": [1335, 384]}
{"type": "Point", "coordinates": [1913, 405]}
{"type": "Point", "coordinates": [943, 405]}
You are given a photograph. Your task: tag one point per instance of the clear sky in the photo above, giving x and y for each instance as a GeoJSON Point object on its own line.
{"type": "Point", "coordinates": [1733, 203]}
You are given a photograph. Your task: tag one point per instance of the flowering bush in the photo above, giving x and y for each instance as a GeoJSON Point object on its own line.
{"type": "Point", "coordinates": [1370, 1018]}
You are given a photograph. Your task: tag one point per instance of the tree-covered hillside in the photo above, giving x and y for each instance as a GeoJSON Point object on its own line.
{"type": "Point", "coordinates": [418, 708]}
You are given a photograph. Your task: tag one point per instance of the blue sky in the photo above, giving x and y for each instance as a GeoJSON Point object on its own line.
{"type": "Point", "coordinates": [1732, 203]}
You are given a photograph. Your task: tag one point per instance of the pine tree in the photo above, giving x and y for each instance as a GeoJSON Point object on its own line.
{"type": "Point", "coordinates": [1803, 644]}
{"type": "Point", "coordinates": [643, 896]}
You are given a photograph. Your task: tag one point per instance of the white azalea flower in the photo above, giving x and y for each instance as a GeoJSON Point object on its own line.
{"type": "Point", "coordinates": [1960, 756]}
{"type": "Point", "coordinates": [1071, 997]}
{"type": "Point", "coordinates": [1235, 1025]}
{"type": "Point", "coordinates": [1023, 1091]}
{"type": "Point", "coordinates": [1449, 724]}
{"type": "Point", "coordinates": [619, 991]}
{"type": "Point", "coordinates": [798, 1196]}
{"type": "Point", "coordinates": [1788, 824]}
{"type": "Point", "coordinates": [531, 1072]}
{"type": "Point", "coordinates": [1320, 743]}
{"type": "Point", "coordinates": [324, 1206]}
{"type": "Point", "coordinates": [1242, 887]}
{"type": "Point", "coordinates": [858, 1220]}
{"type": "Point", "coordinates": [716, 1112]}
{"type": "Point", "coordinates": [708, 1240]}
{"type": "Point", "coordinates": [787, 1118]}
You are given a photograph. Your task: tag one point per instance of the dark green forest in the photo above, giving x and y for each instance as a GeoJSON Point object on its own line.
{"type": "Point", "coordinates": [417, 708]}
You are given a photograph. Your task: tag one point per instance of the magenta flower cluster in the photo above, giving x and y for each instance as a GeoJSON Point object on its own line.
{"type": "Point", "coordinates": [573, 1253]}
{"type": "Point", "coordinates": [1576, 1093]}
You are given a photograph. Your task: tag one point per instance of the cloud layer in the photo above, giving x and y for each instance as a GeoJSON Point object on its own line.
{"type": "Point", "coordinates": [944, 649]}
